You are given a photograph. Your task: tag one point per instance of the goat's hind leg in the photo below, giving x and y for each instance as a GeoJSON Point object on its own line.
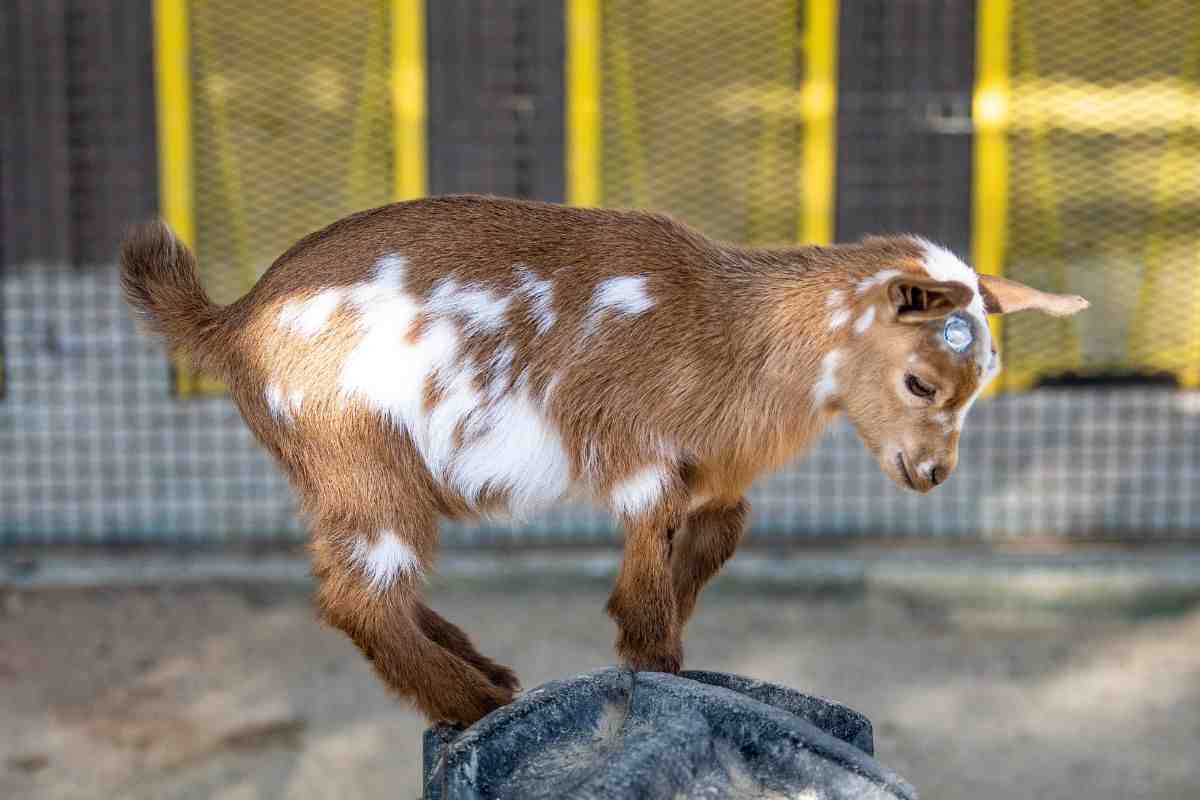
{"type": "Point", "coordinates": [450, 636]}
{"type": "Point", "coordinates": [369, 588]}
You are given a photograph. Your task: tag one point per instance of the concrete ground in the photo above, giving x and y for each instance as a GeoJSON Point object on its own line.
{"type": "Point", "coordinates": [233, 690]}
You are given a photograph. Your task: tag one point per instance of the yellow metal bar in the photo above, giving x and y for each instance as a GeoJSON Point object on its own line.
{"type": "Point", "coordinates": [173, 93]}
{"type": "Point", "coordinates": [818, 98]}
{"type": "Point", "coordinates": [176, 179]}
{"type": "Point", "coordinates": [583, 103]}
{"type": "Point", "coordinates": [989, 216]}
{"type": "Point", "coordinates": [408, 99]}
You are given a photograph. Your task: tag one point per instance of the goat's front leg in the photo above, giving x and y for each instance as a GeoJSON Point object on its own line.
{"type": "Point", "coordinates": [643, 600]}
{"type": "Point", "coordinates": [709, 540]}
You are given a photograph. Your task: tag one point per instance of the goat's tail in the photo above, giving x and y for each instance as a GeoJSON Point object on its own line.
{"type": "Point", "coordinates": [158, 276]}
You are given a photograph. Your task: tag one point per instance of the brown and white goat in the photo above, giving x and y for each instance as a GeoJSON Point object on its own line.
{"type": "Point", "coordinates": [459, 355]}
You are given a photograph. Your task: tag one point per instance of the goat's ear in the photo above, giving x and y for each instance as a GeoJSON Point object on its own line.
{"type": "Point", "coordinates": [1002, 296]}
{"type": "Point", "coordinates": [915, 299]}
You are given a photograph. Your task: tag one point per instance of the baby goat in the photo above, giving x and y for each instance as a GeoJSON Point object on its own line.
{"type": "Point", "coordinates": [459, 355]}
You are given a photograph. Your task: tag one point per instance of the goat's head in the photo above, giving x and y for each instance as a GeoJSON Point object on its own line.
{"type": "Point", "coordinates": [921, 352]}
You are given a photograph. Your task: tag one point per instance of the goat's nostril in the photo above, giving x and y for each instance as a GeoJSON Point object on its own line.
{"type": "Point", "coordinates": [937, 475]}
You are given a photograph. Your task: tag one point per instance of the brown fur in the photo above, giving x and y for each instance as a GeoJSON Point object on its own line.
{"type": "Point", "coordinates": [714, 384]}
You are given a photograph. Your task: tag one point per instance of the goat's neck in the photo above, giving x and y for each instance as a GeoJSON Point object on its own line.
{"type": "Point", "coordinates": [774, 306]}
{"type": "Point", "coordinates": [782, 309]}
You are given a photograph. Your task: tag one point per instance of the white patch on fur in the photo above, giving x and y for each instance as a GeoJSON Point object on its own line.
{"type": "Point", "coordinates": [541, 299]}
{"type": "Point", "coordinates": [881, 277]}
{"type": "Point", "coordinates": [389, 373]}
{"type": "Point", "coordinates": [837, 297]}
{"type": "Point", "coordinates": [826, 385]}
{"type": "Point", "coordinates": [925, 469]}
{"type": "Point", "coordinates": [296, 400]}
{"type": "Point", "coordinates": [381, 370]}
{"type": "Point", "coordinates": [386, 559]}
{"type": "Point", "coordinates": [277, 403]}
{"type": "Point", "coordinates": [483, 309]}
{"type": "Point", "coordinates": [551, 385]}
{"type": "Point", "coordinates": [434, 433]}
{"type": "Point", "coordinates": [625, 295]}
{"type": "Point", "coordinates": [308, 317]}
{"type": "Point", "coordinates": [501, 366]}
{"type": "Point", "coordinates": [990, 372]}
{"type": "Point", "coordinates": [942, 265]}
{"type": "Point", "coordinates": [639, 492]}
{"type": "Point", "coordinates": [387, 279]}
{"type": "Point", "coordinates": [511, 446]}
{"type": "Point", "coordinates": [591, 459]}
{"type": "Point", "coordinates": [507, 446]}
{"type": "Point", "coordinates": [865, 321]}
{"type": "Point", "coordinates": [839, 318]}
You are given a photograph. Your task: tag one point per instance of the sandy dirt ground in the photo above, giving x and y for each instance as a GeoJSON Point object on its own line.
{"type": "Point", "coordinates": [237, 692]}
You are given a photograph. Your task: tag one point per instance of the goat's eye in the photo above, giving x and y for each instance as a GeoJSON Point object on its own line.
{"type": "Point", "coordinates": [919, 387]}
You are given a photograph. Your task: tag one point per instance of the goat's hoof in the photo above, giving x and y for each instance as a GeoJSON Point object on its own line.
{"type": "Point", "coordinates": [503, 677]}
{"type": "Point", "coordinates": [465, 711]}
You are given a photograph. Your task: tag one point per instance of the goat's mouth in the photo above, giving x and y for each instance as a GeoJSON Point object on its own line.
{"type": "Point", "coordinates": [904, 471]}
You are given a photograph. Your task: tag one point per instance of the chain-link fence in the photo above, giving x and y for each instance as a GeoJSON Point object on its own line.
{"type": "Point", "coordinates": [1054, 142]}
{"type": "Point", "coordinates": [1103, 141]}
{"type": "Point", "coordinates": [701, 115]}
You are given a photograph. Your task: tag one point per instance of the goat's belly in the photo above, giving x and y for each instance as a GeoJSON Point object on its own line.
{"type": "Point", "coordinates": [504, 451]}
{"type": "Point", "coordinates": [488, 444]}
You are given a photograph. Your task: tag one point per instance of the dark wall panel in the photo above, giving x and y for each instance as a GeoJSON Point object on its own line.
{"type": "Point", "coordinates": [906, 77]}
{"type": "Point", "coordinates": [543, 52]}
{"type": "Point", "coordinates": [34, 135]}
{"type": "Point", "coordinates": [495, 97]}
{"type": "Point", "coordinates": [78, 160]}
{"type": "Point", "coordinates": [114, 161]}
{"type": "Point", "coordinates": [77, 132]}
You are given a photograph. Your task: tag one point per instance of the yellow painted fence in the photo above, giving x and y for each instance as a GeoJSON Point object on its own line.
{"type": "Point", "coordinates": [276, 118]}
{"type": "Point", "coordinates": [279, 117]}
{"type": "Point", "coordinates": [1087, 179]}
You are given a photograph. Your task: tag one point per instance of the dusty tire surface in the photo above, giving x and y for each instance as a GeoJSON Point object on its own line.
{"type": "Point", "coordinates": [612, 733]}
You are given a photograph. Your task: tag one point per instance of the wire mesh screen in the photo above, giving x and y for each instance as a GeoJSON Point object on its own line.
{"type": "Point", "coordinates": [292, 127]}
{"type": "Point", "coordinates": [701, 114]}
{"type": "Point", "coordinates": [1104, 197]}
{"type": "Point", "coordinates": [291, 124]}
{"type": "Point", "coordinates": [729, 116]}
{"type": "Point", "coordinates": [904, 142]}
